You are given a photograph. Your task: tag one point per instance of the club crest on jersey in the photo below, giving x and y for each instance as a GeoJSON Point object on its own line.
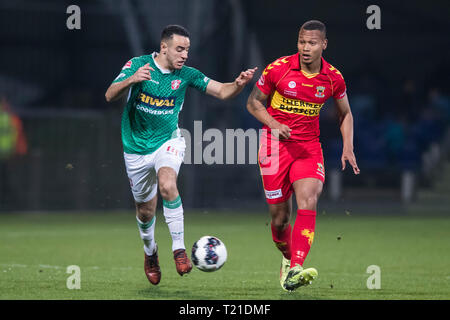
{"type": "Point", "coordinates": [176, 84]}
{"type": "Point", "coordinates": [320, 92]}
{"type": "Point", "coordinates": [292, 84]}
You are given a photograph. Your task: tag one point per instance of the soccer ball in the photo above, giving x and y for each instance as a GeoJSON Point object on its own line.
{"type": "Point", "coordinates": [209, 254]}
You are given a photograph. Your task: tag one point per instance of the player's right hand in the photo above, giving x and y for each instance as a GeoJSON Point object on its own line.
{"type": "Point", "coordinates": [284, 131]}
{"type": "Point", "coordinates": [142, 74]}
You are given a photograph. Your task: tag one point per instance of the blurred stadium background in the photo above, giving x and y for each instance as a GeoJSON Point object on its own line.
{"type": "Point", "coordinates": [60, 146]}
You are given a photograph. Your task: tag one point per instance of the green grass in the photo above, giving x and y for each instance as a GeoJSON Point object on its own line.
{"type": "Point", "coordinates": [35, 250]}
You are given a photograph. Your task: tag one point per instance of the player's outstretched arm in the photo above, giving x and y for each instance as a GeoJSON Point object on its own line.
{"type": "Point", "coordinates": [118, 89]}
{"type": "Point", "coordinates": [346, 126]}
{"type": "Point", "coordinates": [229, 90]}
{"type": "Point", "coordinates": [256, 106]}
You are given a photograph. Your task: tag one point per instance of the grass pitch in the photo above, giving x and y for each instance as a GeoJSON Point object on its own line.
{"type": "Point", "coordinates": [36, 249]}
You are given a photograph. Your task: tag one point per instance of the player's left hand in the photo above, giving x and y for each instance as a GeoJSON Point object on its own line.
{"type": "Point", "coordinates": [245, 77]}
{"type": "Point", "coordinates": [348, 155]}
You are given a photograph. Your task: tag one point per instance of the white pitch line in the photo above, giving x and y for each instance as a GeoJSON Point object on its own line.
{"type": "Point", "coordinates": [46, 266]}
{"type": "Point", "coordinates": [15, 265]}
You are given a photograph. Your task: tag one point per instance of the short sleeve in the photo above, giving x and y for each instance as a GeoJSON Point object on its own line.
{"type": "Point", "coordinates": [339, 88]}
{"type": "Point", "coordinates": [129, 69]}
{"type": "Point", "coordinates": [197, 79]}
{"type": "Point", "coordinates": [265, 82]}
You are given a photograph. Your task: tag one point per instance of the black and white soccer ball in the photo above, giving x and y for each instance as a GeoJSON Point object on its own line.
{"type": "Point", "coordinates": [209, 254]}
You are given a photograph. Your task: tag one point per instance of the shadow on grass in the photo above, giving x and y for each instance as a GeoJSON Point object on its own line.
{"type": "Point", "coordinates": [298, 295]}
{"type": "Point", "coordinates": [160, 293]}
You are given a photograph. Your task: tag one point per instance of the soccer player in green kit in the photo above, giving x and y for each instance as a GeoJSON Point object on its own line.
{"type": "Point", "coordinates": [152, 143]}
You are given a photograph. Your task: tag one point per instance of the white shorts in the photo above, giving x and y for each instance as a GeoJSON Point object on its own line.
{"type": "Point", "coordinates": [142, 170]}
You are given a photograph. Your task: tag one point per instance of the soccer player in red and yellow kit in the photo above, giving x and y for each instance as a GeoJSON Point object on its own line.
{"type": "Point", "coordinates": [295, 88]}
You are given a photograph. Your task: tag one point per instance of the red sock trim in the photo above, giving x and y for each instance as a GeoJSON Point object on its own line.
{"type": "Point", "coordinates": [305, 212]}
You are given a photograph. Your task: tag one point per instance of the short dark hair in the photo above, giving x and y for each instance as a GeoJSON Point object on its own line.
{"type": "Point", "coordinates": [172, 29]}
{"type": "Point", "coordinates": [315, 25]}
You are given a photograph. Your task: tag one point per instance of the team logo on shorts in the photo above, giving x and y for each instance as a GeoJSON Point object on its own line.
{"type": "Point", "coordinates": [320, 92]}
{"type": "Point", "coordinates": [320, 169]}
{"type": "Point", "coordinates": [175, 152]}
{"type": "Point", "coordinates": [175, 84]}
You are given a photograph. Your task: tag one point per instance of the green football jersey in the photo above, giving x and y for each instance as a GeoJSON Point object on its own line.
{"type": "Point", "coordinates": [150, 117]}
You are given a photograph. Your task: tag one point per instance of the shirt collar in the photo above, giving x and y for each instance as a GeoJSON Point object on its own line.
{"type": "Point", "coordinates": [154, 55]}
{"type": "Point", "coordinates": [295, 63]}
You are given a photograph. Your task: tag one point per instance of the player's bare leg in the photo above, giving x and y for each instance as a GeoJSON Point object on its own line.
{"type": "Point", "coordinates": [281, 234]}
{"type": "Point", "coordinates": [281, 214]}
{"type": "Point", "coordinates": [307, 192]}
{"type": "Point", "coordinates": [145, 211]}
{"type": "Point", "coordinates": [174, 215]}
{"type": "Point", "coordinates": [145, 216]}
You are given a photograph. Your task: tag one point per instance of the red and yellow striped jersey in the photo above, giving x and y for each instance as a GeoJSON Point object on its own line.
{"type": "Point", "coordinates": [296, 97]}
